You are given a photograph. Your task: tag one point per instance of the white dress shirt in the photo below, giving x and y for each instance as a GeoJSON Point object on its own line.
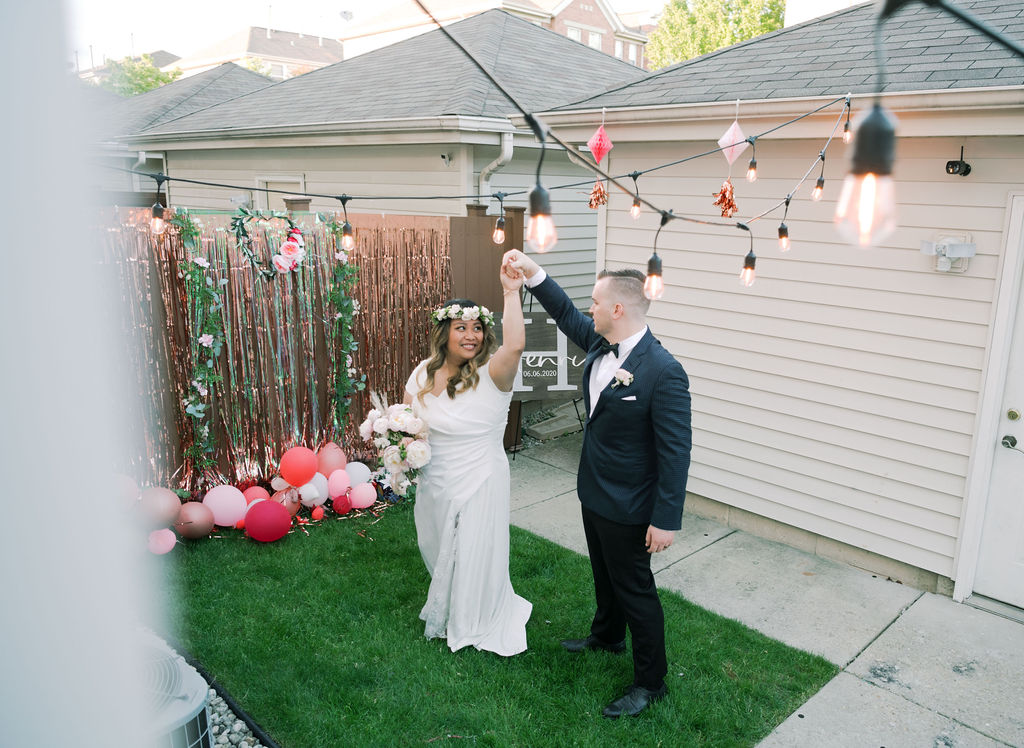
{"type": "Point", "coordinates": [604, 366]}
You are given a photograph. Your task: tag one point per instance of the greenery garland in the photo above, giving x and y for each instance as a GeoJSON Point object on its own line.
{"type": "Point", "coordinates": [343, 279]}
{"type": "Point", "coordinates": [239, 227]}
{"type": "Point", "coordinates": [206, 303]}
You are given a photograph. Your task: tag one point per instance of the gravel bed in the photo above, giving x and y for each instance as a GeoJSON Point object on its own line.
{"type": "Point", "coordinates": [226, 728]}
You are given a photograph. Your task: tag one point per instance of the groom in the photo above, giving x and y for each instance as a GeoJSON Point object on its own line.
{"type": "Point", "coordinates": [632, 474]}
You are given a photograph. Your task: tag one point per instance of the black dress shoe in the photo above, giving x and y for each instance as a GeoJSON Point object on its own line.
{"type": "Point", "coordinates": [635, 701]}
{"type": "Point", "coordinates": [593, 643]}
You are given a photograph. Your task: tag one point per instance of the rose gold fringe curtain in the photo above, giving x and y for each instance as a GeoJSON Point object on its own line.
{"type": "Point", "coordinates": [280, 351]}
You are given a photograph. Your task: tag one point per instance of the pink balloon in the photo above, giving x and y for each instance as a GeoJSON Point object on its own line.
{"type": "Point", "coordinates": [364, 495]}
{"type": "Point", "coordinates": [162, 541]}
{"type": "Point", "coordinates": [255, 492]}
{"type": "Point", "coordinates": [329, 458]}
{"type": "Point", "coordinates": [227, 504]}
{"type": "Point", "coordinates": [338, 483]}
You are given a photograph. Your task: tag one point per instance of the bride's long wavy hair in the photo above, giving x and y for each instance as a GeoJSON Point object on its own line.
{"type": "Point", "coordinates": [466, 377]}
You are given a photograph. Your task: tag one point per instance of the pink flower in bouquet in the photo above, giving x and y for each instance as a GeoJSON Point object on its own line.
{"type": "Point", "coordinates": [392, 459]}
{"type": "Point", "coordinates": [282, 264]}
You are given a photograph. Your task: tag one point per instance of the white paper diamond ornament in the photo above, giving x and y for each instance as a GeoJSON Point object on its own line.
{"type": "Point", "coordinates": [733, 142]}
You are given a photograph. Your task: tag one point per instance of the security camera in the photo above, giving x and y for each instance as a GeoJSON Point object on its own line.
{"type": "Point", "coordinates": [959, 166]}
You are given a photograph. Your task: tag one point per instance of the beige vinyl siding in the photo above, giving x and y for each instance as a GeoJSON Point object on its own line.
{"type": "Point", "coordinates": [839, 393]}
{"type": "Point", "coordinates": [572, 260]}
{"type": "Point", "coordinates": [396, 170]}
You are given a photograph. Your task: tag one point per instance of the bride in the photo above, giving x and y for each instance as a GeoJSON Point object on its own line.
{"type": "Point", "coordinates": [462, 391]}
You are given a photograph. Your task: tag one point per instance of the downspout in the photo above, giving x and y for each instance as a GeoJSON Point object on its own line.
{"type": "Point", "coordinates": [484, 184]}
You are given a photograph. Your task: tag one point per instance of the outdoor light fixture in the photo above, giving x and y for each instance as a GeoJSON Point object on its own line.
{"type": "Point", "coordinates": [348, 239]}
{"type": "Point", "coordinates": [498, 237]}
{"type": "Point", "coordinates": [752, 166]}
{"type": "Point", "coordinates": [157, 223]}
{"type": "Point", "coordinates": [634, 210]}
{"type": "Point", "coordinates": [747, 273]}
{"type": "Point", "coordinates": [847, 132]}
{"type": "Point", "coordinates": [866, 211]}
{"type": "Point", "coordinates": [654, 283]}
{"type": "Point", "coordinates": [540, 233]}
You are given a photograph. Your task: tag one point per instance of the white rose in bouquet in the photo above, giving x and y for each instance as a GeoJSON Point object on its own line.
{"type": "Point", "coordinates": [415, 426]}
{"type": "Point", "coordinates": [392, 459]}
{"type": "Point", "coordinates": [417, 454]}
{"type": "Point", "coordinates": [380, 426]}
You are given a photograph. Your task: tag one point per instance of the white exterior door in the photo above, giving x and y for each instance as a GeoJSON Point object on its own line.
{"type": "Point", "coordinates": [1000, 573]}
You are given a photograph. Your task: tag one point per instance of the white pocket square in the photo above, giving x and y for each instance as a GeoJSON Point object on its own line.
{"type": "Point", "coordinates": [629, 397]}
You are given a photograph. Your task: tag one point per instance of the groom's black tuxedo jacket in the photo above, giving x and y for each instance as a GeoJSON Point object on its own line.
{"type": "Point", "coordinates": [636, 445]}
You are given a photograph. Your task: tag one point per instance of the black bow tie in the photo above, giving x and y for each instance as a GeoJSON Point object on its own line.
{"type": "Point", "coordinates": [607, 347]}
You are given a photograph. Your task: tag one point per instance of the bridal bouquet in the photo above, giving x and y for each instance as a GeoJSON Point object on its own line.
{"type": "Point", "coordinates": [400, 438]}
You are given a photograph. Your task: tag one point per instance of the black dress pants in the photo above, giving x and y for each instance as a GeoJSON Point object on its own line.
{"type": "Point", "coordinates": [626, 595]}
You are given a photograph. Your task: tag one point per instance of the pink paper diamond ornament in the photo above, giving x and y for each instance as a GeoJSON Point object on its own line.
{"type": "Point", "coordinates": [733, 142]}
{"type": "Point", "coordinates": [599, 144]}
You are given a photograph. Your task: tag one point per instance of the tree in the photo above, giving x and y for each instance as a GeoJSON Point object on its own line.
{"type": "Point", "coordinates": [134, 76]}
{"type": "Point", "coordinates": [690, 28]}
{"type": "Point", "coordinates": [257, 65]}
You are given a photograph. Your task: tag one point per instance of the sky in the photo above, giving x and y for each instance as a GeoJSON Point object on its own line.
{"type": "Point", "coordinates": [118, 28]}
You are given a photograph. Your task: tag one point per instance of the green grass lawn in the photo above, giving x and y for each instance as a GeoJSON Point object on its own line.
{"type": "Point", "coordinates": [318, 638]}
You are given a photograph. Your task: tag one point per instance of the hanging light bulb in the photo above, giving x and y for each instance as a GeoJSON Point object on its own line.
{"type": "Point", "coordinates": [847, 132]}
{"type": "Point", "coordinates": [540, 234]}
{"type": "Point", "coordinates": [654, 284]}
{"type": "Point", "coordinates": [783, 237]}
{"type": "Point", "coordinates": [157, 224]}
{"type": "Point", "coordinates": [747, 274]}
{"type": "Point", "coordinates": [752, 170]}
{"type": "Point", "coordinates": [348, 239]}
{"type": "Point", "coordinates": [819, 187]}
{"type": "Point", "coordinates": [634, 210]}
{"type": "Point", "coordinates": [498, 237]}
{"type": "Point", "coordinates": [865, 213]}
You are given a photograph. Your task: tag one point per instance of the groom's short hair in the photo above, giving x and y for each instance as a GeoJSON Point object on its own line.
{"type": "Point", "coordinates": [628, 288]}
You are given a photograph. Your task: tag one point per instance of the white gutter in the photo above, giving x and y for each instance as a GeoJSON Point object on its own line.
{"type": "Point", "coordinates": [503, 158]}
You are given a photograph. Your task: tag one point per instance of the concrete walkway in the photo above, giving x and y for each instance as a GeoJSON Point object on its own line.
{"type": "Point", "coordinates": [917, 669]}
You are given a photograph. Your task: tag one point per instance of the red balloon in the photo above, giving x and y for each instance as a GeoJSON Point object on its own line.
{"type": "Point", "coordinates": [298, 465]}
{"type": "Point", "coordinates": [342, 505]}
{"type": "Point", "coordinates": [317, 513]}
{"type": "Point", "coordinates": [267, 521]}
{"type": "Point", "coordinates": [195, 520]}
{"type": "Point", "coordinates": [255, 492]}
{"type": "Point", "coordinates": [329, 458]}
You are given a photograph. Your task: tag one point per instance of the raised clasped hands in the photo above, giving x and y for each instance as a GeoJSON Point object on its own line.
{"type": "Point", "coordinates": [516, 264]}
{"type": "Point", "coordinates": [511, 277]}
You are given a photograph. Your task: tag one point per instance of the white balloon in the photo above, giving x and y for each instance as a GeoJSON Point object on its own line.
{"type": "Point", "coordinates": [358, 473]}
{"type": "Point", "coordinates": [320, 481]}
{"type": "Point", "coordinates": [309, 494]}
{"type": "Point", "coordinates": [279, 484]}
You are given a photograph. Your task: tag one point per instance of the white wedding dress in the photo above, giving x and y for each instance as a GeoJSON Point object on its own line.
{"type": "Point", "coordinates": [462, 519]}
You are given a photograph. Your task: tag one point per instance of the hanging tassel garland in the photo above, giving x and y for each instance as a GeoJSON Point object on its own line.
{"type": "Point", "coordinates": [598, 195]}
{"type": "Point", "coordinates": [724, 199]}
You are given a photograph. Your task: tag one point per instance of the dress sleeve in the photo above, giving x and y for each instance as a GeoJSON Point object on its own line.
{"type": "Point", "coordinates": [415, 382]}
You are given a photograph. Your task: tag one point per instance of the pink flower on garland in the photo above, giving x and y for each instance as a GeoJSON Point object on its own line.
{"type": "Point", "coordinates": [283, 264]}
{"type": "Point", "coordinates": [291, 250]}
{"type": "Point", "coordinates": [206, 340]}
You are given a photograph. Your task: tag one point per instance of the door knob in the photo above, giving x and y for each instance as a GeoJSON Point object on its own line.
{"type": "Point", "coordinates": [1009, 441]}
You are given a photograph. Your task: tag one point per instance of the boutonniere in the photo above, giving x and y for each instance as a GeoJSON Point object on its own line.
{"type": "Point", "coordinates": [622, 377]}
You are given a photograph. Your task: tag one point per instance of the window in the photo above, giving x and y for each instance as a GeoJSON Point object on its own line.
{"type": "Point", "coordinates": [594, 40]}
{"type": "Point", "coordinates": [632, 53]}
{"type": "Point", "coordinates": [574, 33]}
{"type": "Point", "coordinates": [618, 48]}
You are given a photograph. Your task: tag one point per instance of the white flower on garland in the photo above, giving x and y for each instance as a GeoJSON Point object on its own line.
{"type": "Point", "coordinates": [201, 262]}
{"type": "Point", "coordinates": [206, 340]}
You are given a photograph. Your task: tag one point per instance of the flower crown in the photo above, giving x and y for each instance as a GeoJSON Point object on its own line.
{"type": "Point", "coordinates": [465, 313]}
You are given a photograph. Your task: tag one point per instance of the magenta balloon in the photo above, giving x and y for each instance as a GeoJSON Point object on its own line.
{"type": "Point", "coordinates": [267, 521]}
{"type": "Point", "coordinates": [364, 495]}
{"type": "Point", "coordinates": [162, 541]}
{"type": "Point", "coordinates": [338, 483]}
{"type": "Point", "coordinates": [227, 503]}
